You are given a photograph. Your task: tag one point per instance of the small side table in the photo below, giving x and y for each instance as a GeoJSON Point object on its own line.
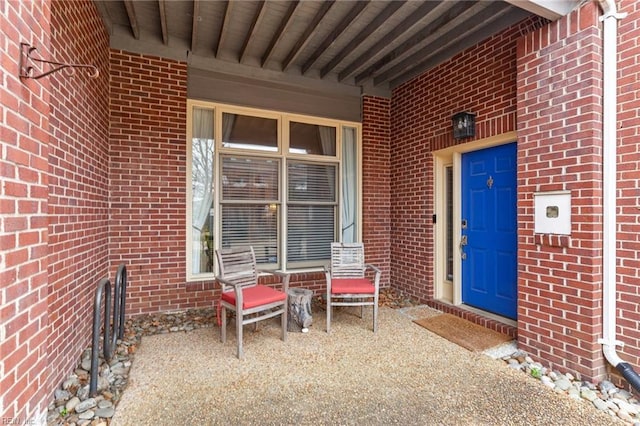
{"type": "Point", "coordinates": [299, 309]}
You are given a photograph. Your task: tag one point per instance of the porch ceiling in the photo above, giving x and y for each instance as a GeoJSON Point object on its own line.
{"type": "Point", "coordinates": [374, 45]}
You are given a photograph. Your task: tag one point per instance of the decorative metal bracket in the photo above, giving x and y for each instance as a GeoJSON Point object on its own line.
{"type": "Point", "coordinates": [27, 69]}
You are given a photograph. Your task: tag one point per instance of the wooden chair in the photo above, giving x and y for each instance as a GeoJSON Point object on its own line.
{"type": "Point", "coordinates": [347, 284]}
{"type": "Point", "coordinates": [242, 294]}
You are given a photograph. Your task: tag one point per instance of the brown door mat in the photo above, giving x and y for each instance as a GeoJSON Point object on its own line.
{"type": "Point", "coordinates": [473, 337]}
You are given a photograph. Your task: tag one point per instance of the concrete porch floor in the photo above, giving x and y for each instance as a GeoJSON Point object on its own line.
{"type": "Point", "coordinates": [403, 374]}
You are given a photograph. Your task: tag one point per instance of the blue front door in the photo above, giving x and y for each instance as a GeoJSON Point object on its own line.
{"type": "Point", "coordinates": [489, 230]}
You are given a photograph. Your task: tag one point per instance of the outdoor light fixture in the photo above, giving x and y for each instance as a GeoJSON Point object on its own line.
{"type": "Point", "coordinates": [464, 125]}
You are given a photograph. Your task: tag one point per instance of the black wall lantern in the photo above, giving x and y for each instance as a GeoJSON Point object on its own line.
{"type": "Point", "coordinates": [464, 125]}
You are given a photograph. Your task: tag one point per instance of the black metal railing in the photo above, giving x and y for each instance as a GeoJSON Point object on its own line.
{"type": "Point", "coordinates": [113, 328]}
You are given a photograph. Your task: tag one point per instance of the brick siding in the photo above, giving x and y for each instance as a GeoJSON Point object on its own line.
{"type": "Point", "coordinates": [628, 192]}
{"type": "Point", "coordinates": [78, 193]}
{"type": "Point", "coordinates": [148, 182]}
{"type": "Point", "coordinates": [376, 184]}
{"type": "Point", "coordinates": [54, 201]}
{"type": "Point", "coordinates": [559, 148]}
{"type": "Point", "coordinates": [24, 137]}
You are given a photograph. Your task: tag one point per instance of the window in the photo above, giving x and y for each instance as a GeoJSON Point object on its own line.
{"type": "Point", "coordinates": [312, 139]}
{"type": "Point", "coordinates": [350, 185]}
{"type": "Point", "coordinates": [201, 211]}
{"type": "Point", "coordinates": [249, 205]}
{"type": "Point", "coordinates": [247, 132]}
{"type": "Point", "coordinates": [284, 184]}
{"type": "Point", "coordinates": [311, 219]}
{"type": "Point", "coordinates": [449, 221]}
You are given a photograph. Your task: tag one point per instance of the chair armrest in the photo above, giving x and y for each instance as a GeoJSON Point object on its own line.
{"type": "Point", "coordinates": [227, 283]}
{"type": "Point", "coordinates": [374, 268]}
{"type": "Point", "coordinates": [237, 289]}
{"type": "Point", "coordinates": [284, 277]}
{"type": "Point", "coordinates": [377, 272]}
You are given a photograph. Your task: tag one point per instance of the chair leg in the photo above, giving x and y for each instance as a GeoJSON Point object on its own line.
{"type": "Point", "coordinates": [223, 324]}
{"type": "Point", "coordinates": [239, 319]}
{"type": "Point", "coordinates": [375, 315]}
{"type": "Point", "coordinates": [328, 314]}
{"type": "Point", "coordinates": [284, 323]}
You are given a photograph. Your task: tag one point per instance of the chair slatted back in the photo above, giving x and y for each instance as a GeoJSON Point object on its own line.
{"type": "Point", "coordinates": [238, 265]}
{"type": "Point", "coordinates": [347, 260]}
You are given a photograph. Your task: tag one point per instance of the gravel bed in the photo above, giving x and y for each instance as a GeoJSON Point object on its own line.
{"type": "Point", "coordinates": [403, 374]}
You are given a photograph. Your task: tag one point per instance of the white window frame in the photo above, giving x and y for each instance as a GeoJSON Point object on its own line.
{"type": "Point", "coordinates": [283, 154]}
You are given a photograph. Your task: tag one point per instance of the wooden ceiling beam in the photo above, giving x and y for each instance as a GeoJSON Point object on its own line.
{"type": "Point", "coordinates": [257, 18]}
{"type": "Point", "coordinates": [284, 25]}
{"type": "Point", "coordinates": [467, 39]}
{"type": "Point", "coordinates": [194, 24]}
{"type": "Point", "coordinates": [399, 30]}
{"type": "Point", "coordinates": [348, 19]}
{"type": "Point", "coordinates": [307, 35]}
{"type": "Point", "coordinates": [373, 26]}
{"type": "Point", "coordinates": [457, 10]}
{"type": "Point", "coordinates": [224, 28]}
{"type": "Point", "coordinates": [469, 22]}
{"type": "Point", "coordinates": [163, 21]}
{"type": "Point", "coordinates": [133, 22]}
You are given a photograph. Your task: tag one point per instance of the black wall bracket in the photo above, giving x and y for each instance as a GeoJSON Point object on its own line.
{"type": "Point", "coordinates": [27, 70]}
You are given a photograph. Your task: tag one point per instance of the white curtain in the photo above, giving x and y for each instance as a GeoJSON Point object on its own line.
{"type": "Point", "coordinates": [202, 146]}
{"type": "Point", "coordinates": [327, 139]}
{"type": "Point", "coordinates": [349, 185]}
{"type": "Point", "coordinates": [328, 142]}
{"type": "Point", "coordinates": [228, 120]}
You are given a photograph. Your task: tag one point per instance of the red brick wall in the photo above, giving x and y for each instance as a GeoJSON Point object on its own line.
{"type": "Point", "coordinates": [629, 181]}
{"type": "Point", "coordinates": [148, 182]}
{"type": "Point", "coordinates": [78, 192]}
{"type": "Point", "coordinates": [376, 183]}
{"type": "Point", "coordinates": [24, 117]}
{"type": "Point", "coordinates": [559, 148]}
{"type": "Point", "coordinates": [481, 80]}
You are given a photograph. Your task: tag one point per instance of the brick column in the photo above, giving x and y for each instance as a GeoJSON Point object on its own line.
{"type": "Point", "coordinates": [376, 183]}
{"type": "Point", "coordinates": [560, 148]}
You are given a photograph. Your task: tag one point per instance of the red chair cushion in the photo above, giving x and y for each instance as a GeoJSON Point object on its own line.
{"type": "Point", "coordinates": [255, 296]}
{"type": "Point", "coordinates": [352, 286]}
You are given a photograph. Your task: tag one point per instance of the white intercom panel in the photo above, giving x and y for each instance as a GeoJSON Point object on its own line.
{"type": "Point", "coordinates": [552, 212]}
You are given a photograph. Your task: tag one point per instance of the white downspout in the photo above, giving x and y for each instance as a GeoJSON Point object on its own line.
{"type": "Point", "coordinates": [610, 19]}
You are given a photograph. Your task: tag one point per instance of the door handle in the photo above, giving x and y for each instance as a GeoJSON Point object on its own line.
{"type": "Point", "coordinates": [463, 242]}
